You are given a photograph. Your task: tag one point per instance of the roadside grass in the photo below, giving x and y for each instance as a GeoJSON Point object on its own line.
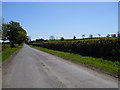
{"type": "Point", "coordinates": [8, 52]}
{"type": "Point", "coordinates": [106, 66]}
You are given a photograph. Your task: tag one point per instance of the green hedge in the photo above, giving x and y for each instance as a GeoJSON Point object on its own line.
{"type": "Point", "coordinates": [103, 48]}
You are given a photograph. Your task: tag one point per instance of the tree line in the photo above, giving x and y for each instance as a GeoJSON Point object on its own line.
{"type": "Point", "coordinates": [14, 32]}
{"type": "Point", "coordinates": [83, 36]}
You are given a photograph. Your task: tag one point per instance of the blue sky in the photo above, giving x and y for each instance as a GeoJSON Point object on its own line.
{"type": "Point", "coordinates": [43, 19]}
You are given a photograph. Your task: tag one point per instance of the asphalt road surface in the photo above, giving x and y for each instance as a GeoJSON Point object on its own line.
{"type": "Point", "coordinates": [32, 68]}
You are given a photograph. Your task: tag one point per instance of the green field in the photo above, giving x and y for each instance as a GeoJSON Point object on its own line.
{"type": "Point", "coordinates": [106, 66]}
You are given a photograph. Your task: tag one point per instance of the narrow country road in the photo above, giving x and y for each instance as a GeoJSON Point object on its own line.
{"type": "Point", "coordinates": [32, 68]}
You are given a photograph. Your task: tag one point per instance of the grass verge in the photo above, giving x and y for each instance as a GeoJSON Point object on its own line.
{"type": "Point", "coordinates": [106, 66]}
{"type": "Point", "coordinates": [8, 52]}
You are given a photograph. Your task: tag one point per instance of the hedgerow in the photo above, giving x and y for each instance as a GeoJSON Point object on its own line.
{"type": "Point", "coordinates": [102, 48]}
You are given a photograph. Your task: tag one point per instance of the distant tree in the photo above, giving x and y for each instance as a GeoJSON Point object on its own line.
{"type": "Point", "coordinates": [113, 35]}
{"type": "Point", "coordinates": [32, 42]}
{"type": "Point", "coordinates": [108, 35]}
{"type": "Point", "coordinates": [52, 38]}
{"type": "Point", "coordinates": [62, 38]}
{"type": "Point", "coordinates": [83, 36]}
{"type": "Point", "coordinates": [118, 33]}
{"type": "Point", "coordinates": [90, 36]}
{"type": "Point", "coordinates": [40, 40]}
{"type": "Point", "coordinates": [74, 37]}
{"type": "Point", "coordinates": [99, 35]}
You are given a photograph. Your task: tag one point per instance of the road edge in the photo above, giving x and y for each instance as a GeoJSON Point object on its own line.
{"type": "Point", "coordinates": [85, 66]}
{"type": "Point", "coordinates": [8, 60]}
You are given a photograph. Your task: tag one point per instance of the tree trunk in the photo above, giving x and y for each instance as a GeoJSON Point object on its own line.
{"type": "Point", "coordinates": [12, 45]}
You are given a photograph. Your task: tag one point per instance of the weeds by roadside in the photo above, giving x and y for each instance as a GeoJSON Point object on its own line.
{"type": "Point", "coordinates": [8, 52]}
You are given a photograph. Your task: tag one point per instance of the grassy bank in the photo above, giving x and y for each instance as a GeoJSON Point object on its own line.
{"type": "Point", "coordinates": [103, 65]}
{"type": "Point", "coordinates": [8, 52]}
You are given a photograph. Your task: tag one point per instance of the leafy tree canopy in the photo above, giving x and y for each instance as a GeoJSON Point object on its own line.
{"type": "Point", "coordinates": [14, 33]}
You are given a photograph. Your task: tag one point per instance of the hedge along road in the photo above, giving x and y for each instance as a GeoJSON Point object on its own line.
{"type": "Point", "coordinates": [32, 68]}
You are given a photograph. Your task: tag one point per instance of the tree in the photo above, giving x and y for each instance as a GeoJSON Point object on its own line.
{"type": "Point", "coordinates": [118, 33]}
{"type": "Point", "coordinates": [0, 30]}
{"type": "Point", "coordinates": [4, 32]}
{"type": "Point", "coordinates": [108, 35]}
{"type": "Point", "coordinates": [90, 36]}
{"type": "Point", "coordinates": [99, 35]}
{"type": "Point", "coordinates": [14, 33]}
{"type": "Point", "coordinates": [52, 38]}
{"type": "Point", "coordinates": [21, 36]}
{"type": "Point", "coordinates": [62, 38]}
{"type": "Point", "coordinates": [113, 35]}
{"type": "Point", "coordinates": [40, 40]}
{"type": "Point", "coordinates": [74, 37]}
{"type": "Point", "coordinates": [83, 36]}
{"type": "Point", "coordinates": [28, 39]}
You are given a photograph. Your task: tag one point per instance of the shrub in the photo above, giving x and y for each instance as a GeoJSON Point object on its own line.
{"type": "Point", "coordinates": [101, 48]}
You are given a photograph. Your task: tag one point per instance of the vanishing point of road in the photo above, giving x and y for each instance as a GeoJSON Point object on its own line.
{"type": "Point", "coordinates": [32, 68]}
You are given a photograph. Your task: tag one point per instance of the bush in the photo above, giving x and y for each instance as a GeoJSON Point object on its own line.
{"type": "Point", "coordinates": [102, 48]}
